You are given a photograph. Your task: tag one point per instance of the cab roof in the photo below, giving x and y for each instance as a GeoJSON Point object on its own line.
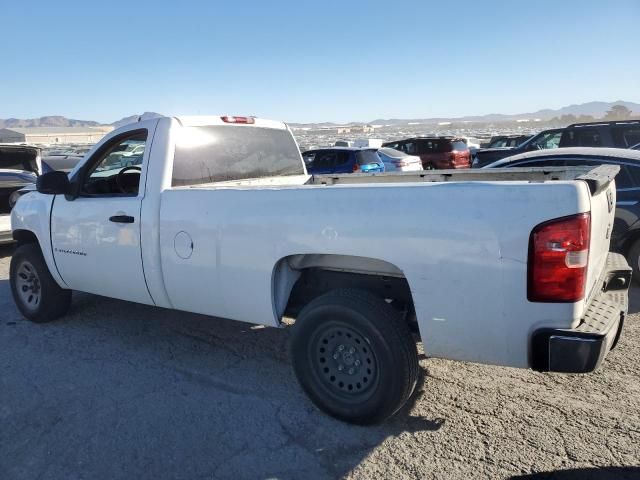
{"type": "Point", "coordinates": [205, 120]}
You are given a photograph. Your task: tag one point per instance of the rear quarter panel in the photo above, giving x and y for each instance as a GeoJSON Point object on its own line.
{"type": "Point", "coordinates": [462, 246]}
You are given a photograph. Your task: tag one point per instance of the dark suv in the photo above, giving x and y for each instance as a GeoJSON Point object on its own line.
{"type": "Point", "coordinates": [435, 152]}
{"type": "Point", "coordinates": [620, 134]}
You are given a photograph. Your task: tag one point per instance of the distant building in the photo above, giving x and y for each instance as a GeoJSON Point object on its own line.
{"type": "Point", "coordinates": [340, 129]}
{"type": "Point", "coordinates": [52, 135]}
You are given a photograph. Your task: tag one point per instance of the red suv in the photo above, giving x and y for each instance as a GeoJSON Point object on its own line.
{"type": "Point", "coordinates": [435, 152]}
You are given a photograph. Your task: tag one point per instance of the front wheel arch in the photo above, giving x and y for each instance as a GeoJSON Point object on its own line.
{"type": "Point", "coordinates": [23, 237]}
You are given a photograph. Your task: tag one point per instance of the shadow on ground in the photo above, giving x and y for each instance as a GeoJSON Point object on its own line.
{"type": "Point", "coordinates": [119, 390]}
{"type": "Point", "coordinates": [605, 473]}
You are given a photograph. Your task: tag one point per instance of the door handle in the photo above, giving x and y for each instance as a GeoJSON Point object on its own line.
{"type": "Point", "coordinates": [121, 219]}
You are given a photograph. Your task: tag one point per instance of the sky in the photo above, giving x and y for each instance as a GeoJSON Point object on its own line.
{"type": "Point", "coordinates": [314, 61]}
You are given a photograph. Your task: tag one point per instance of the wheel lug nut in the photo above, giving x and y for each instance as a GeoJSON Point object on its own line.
{"type": "Point", "coordinates": [357, 363]}
{"type": "Point", "coordinates": [340, 347]}
{"type": "Point", "coordinates": [340, 367]}
{"type": "Point", "coordinates": [351, 371]}
{"type": "Point", "coordinates": [335, 356]}
{"type": "Point", "coordinates": [352, 350]}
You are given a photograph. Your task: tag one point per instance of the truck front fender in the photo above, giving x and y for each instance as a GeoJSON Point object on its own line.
{"type": "Point", "coordinates": [30, 218]}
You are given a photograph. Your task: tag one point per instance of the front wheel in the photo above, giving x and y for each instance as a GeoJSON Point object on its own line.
{"type": "Point", "coordinates": [354, 356]}
{"type": "Point", "coordinates": [36, 294]}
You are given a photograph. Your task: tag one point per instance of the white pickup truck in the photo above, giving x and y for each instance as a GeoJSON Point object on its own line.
{"type": "Point", "coordinates": [507, 267]}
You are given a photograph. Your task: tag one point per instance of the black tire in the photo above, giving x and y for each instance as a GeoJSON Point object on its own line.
{"type": "Point", "coordinates": [354, 356]}
{"type": "Point", "coordinates": [35, 292]}
{"type": "Point", "coordinates": [633, 257]}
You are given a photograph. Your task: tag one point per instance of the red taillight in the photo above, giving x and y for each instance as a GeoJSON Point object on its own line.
{"type": "Point", "coordinates": [356, 168]}
{"type": "Point", "coordinates": [558, 256]}
{"type": "Point", "coordinates": [230, 119]}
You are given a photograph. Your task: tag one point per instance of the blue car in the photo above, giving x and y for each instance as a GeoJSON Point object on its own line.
{"type": "Point", "coordinates": [342, 160]}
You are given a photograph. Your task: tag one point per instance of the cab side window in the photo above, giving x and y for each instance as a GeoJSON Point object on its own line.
{"type": "Point", "coordinates": [116, 167]}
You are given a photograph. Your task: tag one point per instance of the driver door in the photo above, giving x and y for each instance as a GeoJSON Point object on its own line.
{"type": "Point", "coordinates": [96, 236]}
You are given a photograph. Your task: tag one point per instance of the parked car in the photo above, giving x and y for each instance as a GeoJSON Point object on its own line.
{"type": "Point", "coordinates": [21, 157]}
{"type": "Point", "coordinates": [11, 181]}
{"type": "Point", "coordinates": [435, 152]}
{"type": "Point", "coordinates": [342, 160]}
{"type": "Point", "coordinates": [625, 237]}
{"type": "Point", "coordinates": [368, 143]}
{"type": "Point", "coordinates": [65, 162]}
{"type": "Point", "coordinates": [19, 167]}
{"type": "Point", "coordinates": [221, 219]}
{"type": "Point", "coordinates": [64, 159]}
{"type": "Point", "coordinates": [397, 161]}
{"type": "Point", "coordinates": [507, 141]}
{"type": "Point", "coordinates": [619, 134]}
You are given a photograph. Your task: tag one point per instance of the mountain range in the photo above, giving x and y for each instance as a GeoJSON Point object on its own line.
{"type": "Point", "coordinates": [595, 109]}
{"type": "Point", "coordinates": [60, 121]}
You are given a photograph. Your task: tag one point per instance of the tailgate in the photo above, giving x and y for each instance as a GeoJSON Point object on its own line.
{"type": "Point", "coordinates": [603, 204]}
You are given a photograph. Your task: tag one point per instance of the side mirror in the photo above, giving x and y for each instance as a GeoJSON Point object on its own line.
{"type": "Point", "coordinates": [53, 183]}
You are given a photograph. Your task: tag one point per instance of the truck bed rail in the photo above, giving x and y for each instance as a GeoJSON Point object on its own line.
{"type": "Point", "coordinates": [597, 178]}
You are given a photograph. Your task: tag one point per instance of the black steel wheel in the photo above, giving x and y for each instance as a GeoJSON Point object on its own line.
{"type": "Point", "coordinates": [343, 362]}
{"type": "Point", "coordinates": [354, 356]}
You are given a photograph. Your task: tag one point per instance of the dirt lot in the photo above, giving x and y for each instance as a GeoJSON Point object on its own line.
{"type": "Point", "coordinates": [118, 390]}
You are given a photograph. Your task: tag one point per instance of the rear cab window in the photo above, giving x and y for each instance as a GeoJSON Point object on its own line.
{"type": "Point", "coordinates": [220, 153]}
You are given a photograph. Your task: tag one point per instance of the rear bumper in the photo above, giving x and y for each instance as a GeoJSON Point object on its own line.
{"type": "Point", "coordinates": [582, 350]}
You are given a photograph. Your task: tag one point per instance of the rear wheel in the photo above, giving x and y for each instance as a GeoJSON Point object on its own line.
{"type": "Point", "coordinates": [35, 292]}
{"type": "Point", "coordinates": [354, 356]}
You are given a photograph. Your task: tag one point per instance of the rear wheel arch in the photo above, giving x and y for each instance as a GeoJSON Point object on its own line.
{"type": "Point", "coordinates": [298, 279]}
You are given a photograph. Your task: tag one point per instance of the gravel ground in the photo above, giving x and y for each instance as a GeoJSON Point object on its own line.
{"type": "Point", "coordinates": [119, 390]}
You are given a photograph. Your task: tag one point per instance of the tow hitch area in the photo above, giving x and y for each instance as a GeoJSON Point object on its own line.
{"type": "Point", "coordinates": [582, 350]}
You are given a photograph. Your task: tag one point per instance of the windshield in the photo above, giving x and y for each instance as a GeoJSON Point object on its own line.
{"type": "Point", "coordinates": [544, 140]}
{"type": "Point", "coordinates": [222, 153]}
{"type": "Point", "coordinates": [366, 157]}
{"type": "Point", "coordinates": [459, 146]}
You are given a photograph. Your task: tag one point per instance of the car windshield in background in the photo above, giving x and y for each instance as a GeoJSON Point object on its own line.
{"type": "Point", "coordinates": [223, 153]}
{"type": "Point", "coordinates": [548, 140]}
{"type": "Point", "coordinates": [392, 152]}
{"type": "Point", "coordinates": [366, 157]}
{"type": "Point", "coordinates": [458, 146]}
{"type": "Point", "coordinates": [503, 143]}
